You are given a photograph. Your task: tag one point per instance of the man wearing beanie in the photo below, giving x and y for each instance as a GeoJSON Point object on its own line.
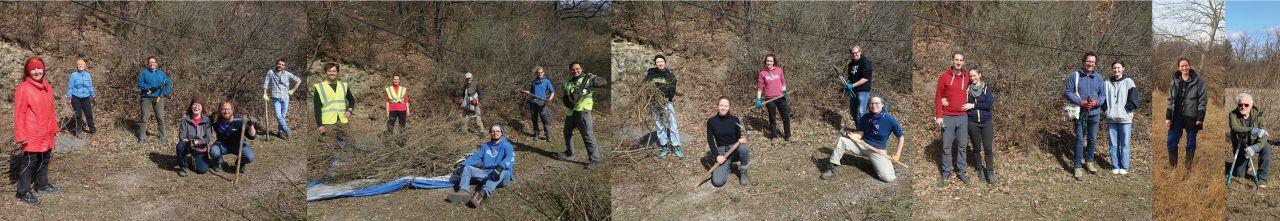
{"type": "Point", "coordinates": [35, 125]}
{"type": "Point", "coordinates": [154, 86]}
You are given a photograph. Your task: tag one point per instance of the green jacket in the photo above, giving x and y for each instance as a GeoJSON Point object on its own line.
{"type": "Point", "coordinates": [1242, 128]}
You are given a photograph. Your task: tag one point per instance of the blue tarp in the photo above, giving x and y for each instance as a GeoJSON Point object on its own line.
{"type": "Point", "coordinates": [317, 191]}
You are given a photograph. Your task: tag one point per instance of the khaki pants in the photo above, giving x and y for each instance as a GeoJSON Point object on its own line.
{"type": "Point", "coordinates": [882, 164]}
{"type": "Point", "coordinates": [467, 115]}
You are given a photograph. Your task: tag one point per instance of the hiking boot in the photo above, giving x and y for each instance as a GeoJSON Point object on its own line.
{"type": "Point", "coordinates": [678, 152]}
{"type": "Point", "coordinates": [475, 200]}
{"type": "Point", "coordinates": [284, 135]}
{"type": "Point", "coordinates": [29, 198]}
{"type": "Point", "coordinates": [831, 171]}
{"type": "Point", "coordinates": [744, 178]}
{"type": "Point", "coordinates": [459, 196]}
{"type": "Point", "coordinates": [1262, 184]}
{"type": "Point", "coordinates": [1191, 157]}
{"type": "Point", "coordinates": [1173, 159]}
{"type": "Point", "coordinates": [591, 165]}
{"type": "Point", "coordinates": [1091, 166]}
{"type": "Point", "coordinates": [50, 189]}
{"type": "Point", "coordinates": [942, 183]}
{"type": "Point", "coordinates": [564, 156]}
{"type": "Point", "coordinates": [182, 172]}
{"type": "Point", "coordinates": [991, 176]}
{"type": "Point", "coordinates": [963, 178]}
{"type": "Point", "coordinates": [1079, 173]}
{"type": "Point", "coordinates": [663, 153]}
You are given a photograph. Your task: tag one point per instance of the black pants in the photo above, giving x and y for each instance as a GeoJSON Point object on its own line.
{"type": "Point", "coordinates": [539, 114]}
{"type": "Point", "coordinates": [980, 136]}
{"type": "Point", "coordinates": [83, 108]}
{"type": "Point", "coordinates": [33, 166]}
{"type": "Point", "coordinates": [779, 105]}
{"type": "Point", "coordinates": [396, 117]}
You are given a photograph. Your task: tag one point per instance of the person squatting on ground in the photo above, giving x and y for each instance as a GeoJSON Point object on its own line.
{"type": "Point", "coordinates": [859, 75]}
{"type": "Point", "coordinates": [664, 113]}
{"type": "Point", "coordinates": [978, 104]}
{"type": "Point", "coordinates": [35, 127]}
{"type": "Point", "coordinates": [80, 95]}
{"type": "Point", "coordinates": [1086, 89]}
{"type": "Point", "coordinates": [542, 92]}
{"type": "Point", "coordinates": [470, 102]}
{"type": "Point", "coordinates": [396, 104]}
{"type": "Point", "coordinates": [1185, 114]}
{"type": "Point", "coordinates": [228, 125]}
{"type": "Point", "coordinates": [771, 84]}
{"type": "Point", "coordinates": [723, 130]}
{"type": "Point", "coordinates": [277, 86]}
{"type": "Point", "coordinates": [870, 141]}
{"type": "Point", "coordinates": [154, 86]}
{"type": "Point", "coordinates": [332, 105]}
{"type": "Point", "coordinates": [950, 115]}
{"type": "Point", "coordinates": [1122, 101]}
{"type": "Point", "coordinates": [1249, 140]}
{"type": "Point", "coordinates": [491, 165]}
{"type": "Point", "coordinates": [195, 133]}
{"type": "Point", "coordinates": [578, 100]}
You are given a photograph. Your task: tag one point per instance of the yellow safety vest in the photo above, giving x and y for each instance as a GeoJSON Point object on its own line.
{"type": "Point", "coordinates": [396, 96]}
{"type": "Point", "coordinates": [585, 103]}
{"type": "Point", "coordinates": [333, 103]}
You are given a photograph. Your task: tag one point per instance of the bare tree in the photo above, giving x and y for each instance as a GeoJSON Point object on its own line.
{"type": "Point", "coordinates": [1202, 22]}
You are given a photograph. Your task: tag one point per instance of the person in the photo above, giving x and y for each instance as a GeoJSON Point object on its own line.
{"type": "Point", "coordinates": [80, 95]}
{"type": "Point", "coordinates": [664, 113]}
{"type": "Point", "coordinates": [397, 104]}
{"type": "Point", "coordinates": [332, 105]}
{"type": "Point", "coordinates": [154, 86]}
{"type": "Point", "coordinates": [870, 141]}
{"type": "Point", "coordinates": [35, 125]}
{"type": "Point", "coordinates": [771, 84]}
{"type": "Point", "coordinates": [1249, 140]}
{"type": "Point", "coordinates": [542, 92]}
{"type": "Point", "coordinates": [194, 136]}
{"type": "Point", "coordinates": [723, 131]}
{"type": "Point", "coordinates": [276, 88]}
{"type": "Point", "coordinates": [950, 115]}
{"type": "Point", "coordinates": [1122, 101]}
{"type": "Point", "coordinates": [470, 102]}
{"type": "Point", "coordinates": [491, 165]}
{"type": "Point", "coordinates": [230, 127]}
{"type": "Point", "coordinates": [978, 105]}
{"type": "Point", "coordinates": [1086, 89]}
{"type": "Point", "coordinates": [578, 99]}
{"type": "Point", "coordinates": [1185, 114]}
{"type": "Point", "coordinates": [859, 75]}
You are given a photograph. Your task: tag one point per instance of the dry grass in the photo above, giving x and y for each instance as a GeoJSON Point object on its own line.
{"type": "Point", "coordinates": [1243, 201]}
{"type": "Point", "coordinates": [1196, 194]}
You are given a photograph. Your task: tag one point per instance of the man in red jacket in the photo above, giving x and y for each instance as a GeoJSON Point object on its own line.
{"type": "Point", "coordinates": [949, 113]}
{"type": "Point", "coordinates": [34, 127]}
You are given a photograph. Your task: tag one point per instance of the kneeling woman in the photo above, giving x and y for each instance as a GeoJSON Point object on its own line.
{"type": "Point", "coordinates": [228, 127]}
{"type": "Point", "coordinates": [194, 136]}
{"type": "Point", "coordinates": [723, 130]}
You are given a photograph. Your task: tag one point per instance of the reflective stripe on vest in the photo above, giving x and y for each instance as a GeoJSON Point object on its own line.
{"type": "Point", "coordinates": [333, 103]}
{"type": "Point", "coordinates": [396, 96]}
{"type": "Point", "coordinates": [585, 103]}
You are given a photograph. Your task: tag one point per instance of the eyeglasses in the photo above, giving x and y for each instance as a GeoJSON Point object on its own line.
{"type": "Point", "coordinates": [1245, 105]}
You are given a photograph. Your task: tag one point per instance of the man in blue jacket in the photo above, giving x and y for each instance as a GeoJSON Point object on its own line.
{"type": "Point", "coordinates": [1086, 88]}
{"type": "Point", "coordinates": [153, 86]}
{"type": "Point", "coordinates": [491, 165]}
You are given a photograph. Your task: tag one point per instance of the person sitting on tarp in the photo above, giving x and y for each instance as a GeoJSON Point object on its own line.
{"type": "Point", "coordinates": [491, 165]}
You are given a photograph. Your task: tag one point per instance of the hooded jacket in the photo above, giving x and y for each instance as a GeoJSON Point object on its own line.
{"type": "Point", "coordinates": [983, 100]}
{"type": "Point", "coordinates": [202, 131]}
{"type": "Point", "coordinates": [1122, 100]}
{"type": "Point", "coordinates": [665, 80]}
{"type": "Point", "coordinates": [953, 86]}
{"type": "Point", "coordinates": [34, 119]}
{"type": "Point", "coordinates": [1241, 128]}
{"type": "Point", "coordinates": [493, 155]}
{"type": "Point", "coordinates": [1187, 99]}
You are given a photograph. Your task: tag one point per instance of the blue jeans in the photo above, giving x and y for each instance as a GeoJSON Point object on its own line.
{"type": "Point", "coordinates": [1120, 134]}
{"type": "Point", "coordinates": [218, 150]}
{"type": "Point", "coordinates": [199, 162]}
{"type": "Point", "coordinates": [489, 180]}
{"type": "Point", "coordinates": [668, 134]}
{"type": "Point", "coordinates": [1176, 128]}
{"type": "Point", "coordinates": [281, 108]}
{"type": "Point", "coordinates": [721, 174]}
{"type": "Point", "coordinates": [858, 104]}
{"type": "Point", "coordinates": [1086, 133]}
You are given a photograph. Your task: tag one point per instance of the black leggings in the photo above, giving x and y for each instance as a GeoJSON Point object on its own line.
{"type": "Point", "coordinates": [779, 105]}
{"type": "Point", "coordinates": [980, 136]}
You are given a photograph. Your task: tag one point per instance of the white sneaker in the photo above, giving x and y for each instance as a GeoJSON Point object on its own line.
{"type": "Point", "coordinates": [1124, 172]}
{"type": "Point", "coordinates": [1115, 171]}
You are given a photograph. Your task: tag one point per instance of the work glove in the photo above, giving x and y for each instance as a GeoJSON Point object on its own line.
{"type": "Point", "coordinates": [1258, 132]}
{"type": "Point", "coordinates": [291, 91]}
{"type": "Point", "coordinates": [759, 102]}
{"type": "Point", "coordinates": [265, 97]}
{"type": "Point", "coordinates": [848, 87]}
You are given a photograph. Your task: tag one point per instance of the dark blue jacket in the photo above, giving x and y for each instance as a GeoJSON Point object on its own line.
{"type": "Point", "coordinates": [982, 104]}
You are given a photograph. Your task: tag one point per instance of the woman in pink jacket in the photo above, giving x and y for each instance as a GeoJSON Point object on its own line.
{"type": "Point", "coordinates": [769, 85]}
{"type": "Point", "coordinates": [34, 127]}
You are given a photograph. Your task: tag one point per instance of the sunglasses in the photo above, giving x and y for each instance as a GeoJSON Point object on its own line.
{"type": "Point", "coordinates": [1245, 105]}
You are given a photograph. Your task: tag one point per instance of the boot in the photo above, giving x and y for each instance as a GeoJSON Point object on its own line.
{"type": "Point", "coordinates": [29, 198]}
{"type": "Point", "coordinates": [831, 171]}
{"type": "Point", "coordinates": [50, 189]}
{"type": "Point", "coordinates": [1079, 174]}
{"type": "Point", "coordinates": [459, 196]}
{"type": "Point", "coordinates": [1091, 166]}
{"type": "Point", "coordinates": [991, 176]}
{"type": "Point", "coordinates": [475, 200]}
{"type": "Point", "coordinates": [1191, 157]}
{"type": "Point", "coordinates": [744, 178]}
{"type": "Point", "coordinates": [963, 178]}
{"type": "Point", "coordinates": [591, 165]}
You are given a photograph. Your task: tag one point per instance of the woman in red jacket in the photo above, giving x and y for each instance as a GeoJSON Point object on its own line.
{"type": "Point", "coordinates": [34, 127]}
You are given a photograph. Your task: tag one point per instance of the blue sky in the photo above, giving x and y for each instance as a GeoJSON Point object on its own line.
{"type": "Point", "coordinates": [1252, 17]}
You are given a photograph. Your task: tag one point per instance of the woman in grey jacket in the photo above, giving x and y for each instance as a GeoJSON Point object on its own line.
{"type": "Point", "coordinates": [194, 136]}
{"type": "Point", "coordinates": [1185, 114]}
{"type": "Point", "coordinates": [1122, 101]}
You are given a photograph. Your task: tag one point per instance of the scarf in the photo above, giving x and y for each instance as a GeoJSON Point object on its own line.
{"type": "Point", "coordinates": [976, 90]}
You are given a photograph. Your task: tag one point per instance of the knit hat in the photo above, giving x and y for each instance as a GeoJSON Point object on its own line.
{"type": "Point", "coordinates": [33, 63]}
{"type": "Point", "coordinates": [468, 75]}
